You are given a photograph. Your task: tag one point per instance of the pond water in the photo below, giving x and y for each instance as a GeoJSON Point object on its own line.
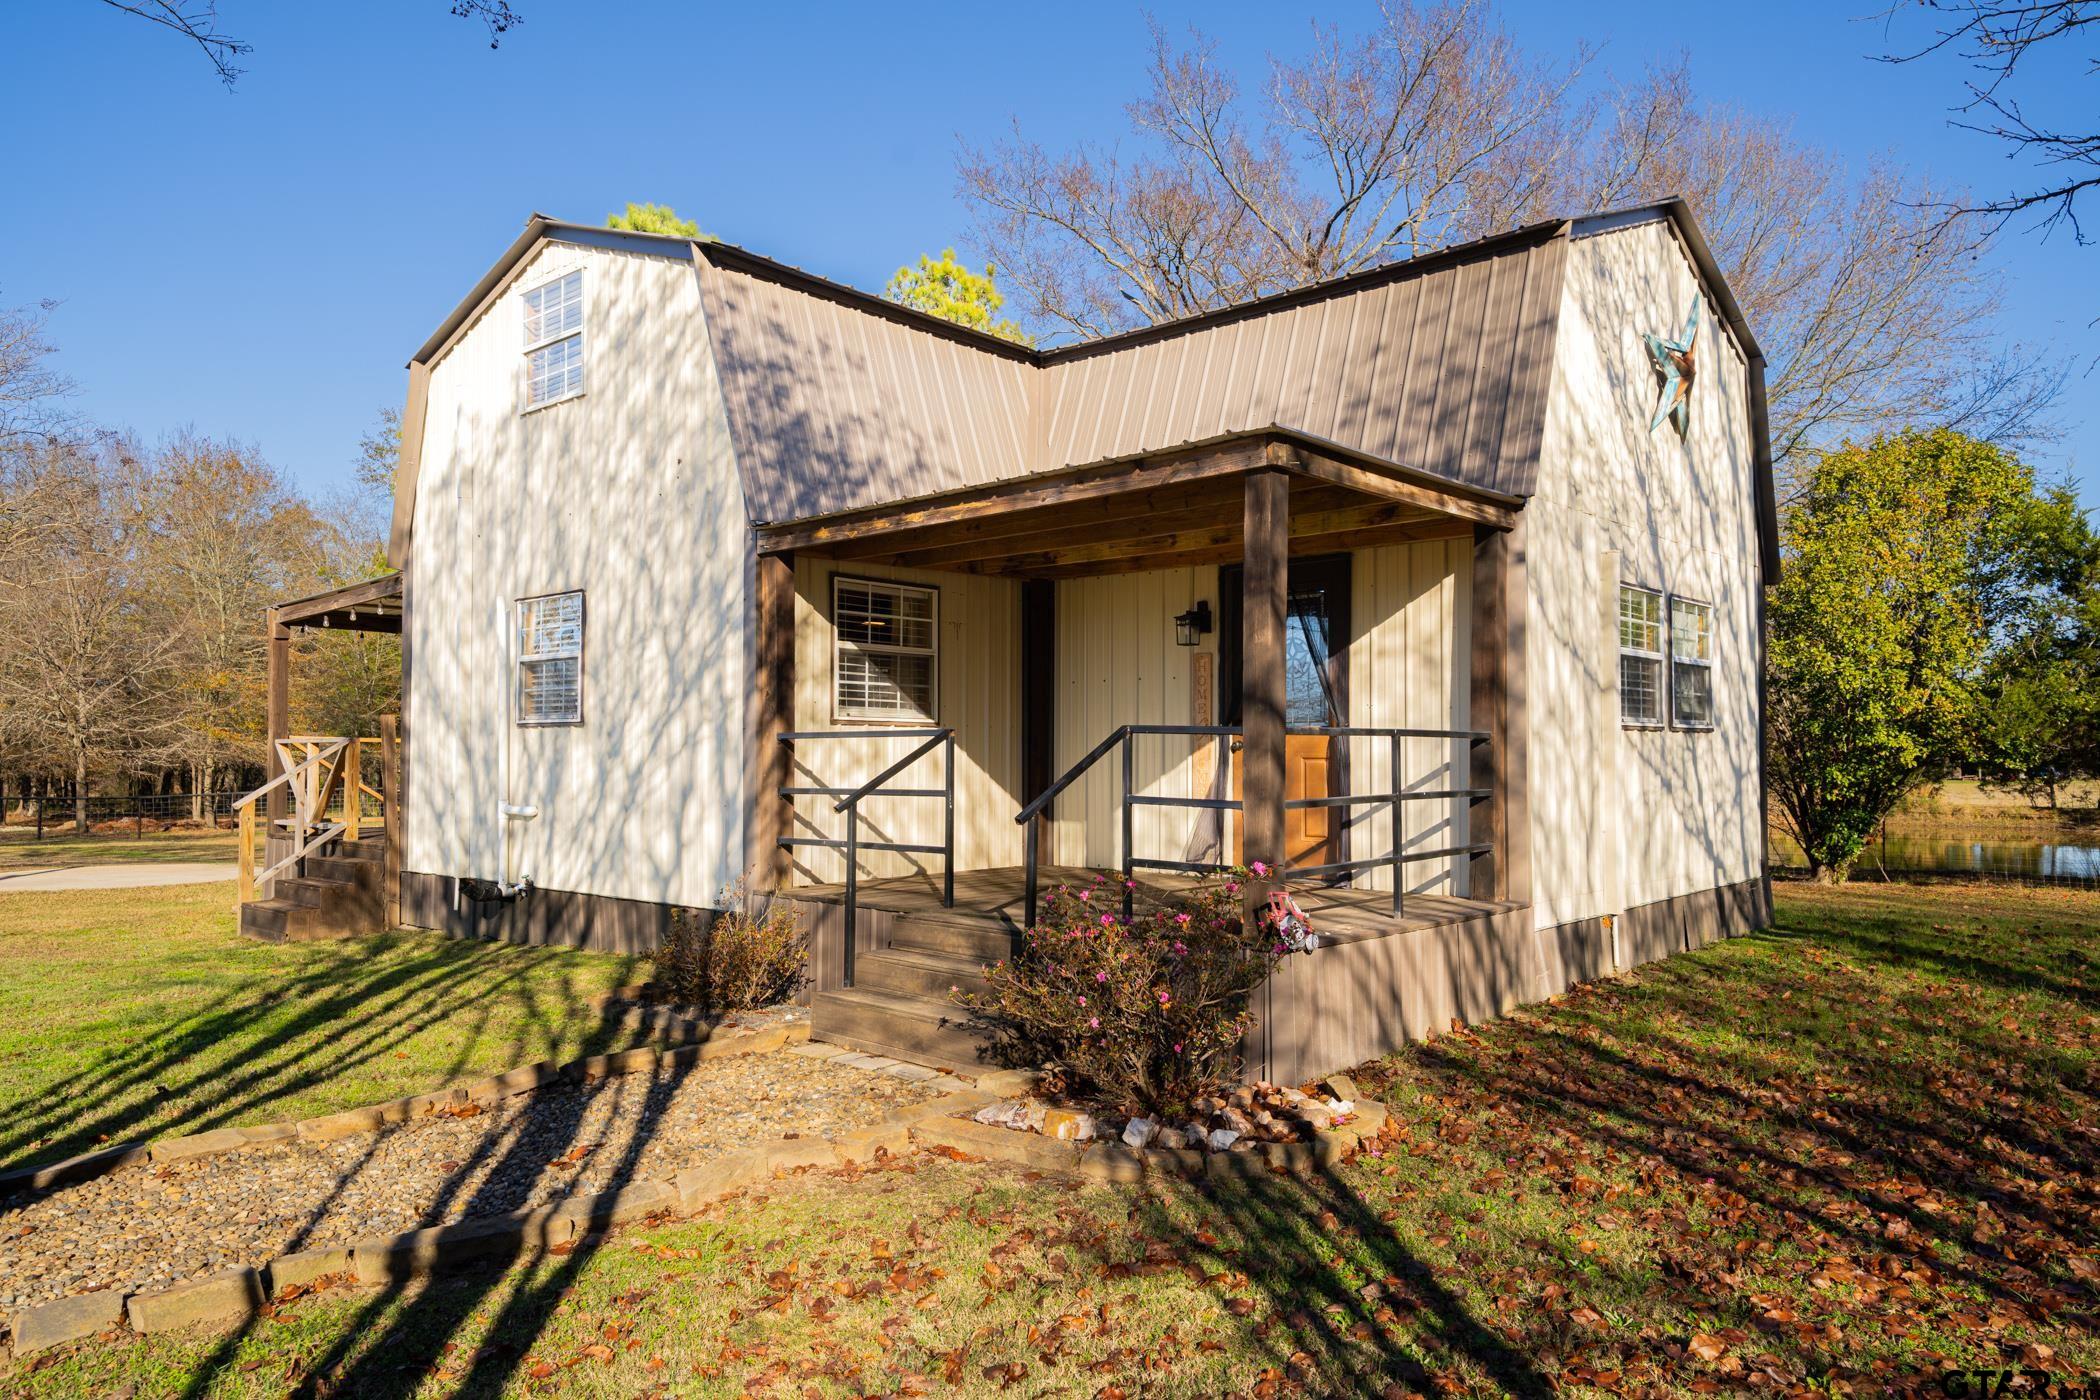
{"type": "Point", "coordinates": [1996, 855]}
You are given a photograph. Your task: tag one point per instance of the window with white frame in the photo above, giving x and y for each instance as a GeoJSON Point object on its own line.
{"type": "Point", "coordinates": [886, 639]}
{"type": "Point", "coordinates": [1640, 656]}
{"type": "Point", "coordinates": [550, 659]}
{"type": "Point", "coordinates": [1691, 664]}
{"type": "Point", "coordinates": [554, 340]}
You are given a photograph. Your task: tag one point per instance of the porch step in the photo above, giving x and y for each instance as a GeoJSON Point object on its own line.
{"type": "Point", "coordinates": [917, 972]}
{"type": "Point", "coordinates": [921, 1030]}
{"type": "Point", "coordinates": [978, 938]}
{"type": "Point", "coordinates": [283, 920]}
{"type": "Point", "coordinates": [338, 895]}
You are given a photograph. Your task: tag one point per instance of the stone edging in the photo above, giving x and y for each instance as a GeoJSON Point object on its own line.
{"type": "Point", "coordinates": [1110, 1160]}
{"type": "Point", "coordinates": [236, 1294]}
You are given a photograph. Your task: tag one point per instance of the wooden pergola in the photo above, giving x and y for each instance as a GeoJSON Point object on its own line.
{"type": "Point", "coordinates": [374, 605]}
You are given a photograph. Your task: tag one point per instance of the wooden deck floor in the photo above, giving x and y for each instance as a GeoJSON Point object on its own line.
{"type": "Point", "coordinates": [1000, 893]}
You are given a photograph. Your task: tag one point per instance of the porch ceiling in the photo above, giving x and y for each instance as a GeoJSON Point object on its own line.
{"type": "Point", "coordinates": [371, 606]}
{"type": "Point", "coordinates": [1154, 513]}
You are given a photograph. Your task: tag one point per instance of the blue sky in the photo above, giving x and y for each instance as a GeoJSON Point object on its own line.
{"type": "Point", "coordinates": [262, 263]}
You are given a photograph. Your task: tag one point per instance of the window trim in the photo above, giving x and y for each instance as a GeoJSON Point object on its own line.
{"type": "Point", "coordinates": [839, 716]}
{"type": "Point", "coordinates": [583, 302]}
{"type": "Point", "coordinates": [583, 641]}
{"type": "Point", "coordinates": [1662, 657]}
{"type": "Point", "coordinates": [1671, 663]}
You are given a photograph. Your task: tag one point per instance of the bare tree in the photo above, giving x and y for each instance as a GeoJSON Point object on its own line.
{"type": "Point", "coordinates": [198, 22]}
{"type": "Point", "coordinates": [1432, 128]}
{"type": "Point", "coordinates": [1995, 37]}
{"type": "Point", "coordinates": [30, 389]}
{"type": "Point", "coordinates": [83, 668]}
{"type": "Point", "coordinates": [223, 539]}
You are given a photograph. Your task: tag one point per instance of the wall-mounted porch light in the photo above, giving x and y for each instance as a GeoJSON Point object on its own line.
{"type": "Point", "coordinates": [1192, 624]}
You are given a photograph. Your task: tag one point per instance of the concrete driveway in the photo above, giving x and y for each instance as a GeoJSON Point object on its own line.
{"type": "Point", "coordinates": [116, 877]}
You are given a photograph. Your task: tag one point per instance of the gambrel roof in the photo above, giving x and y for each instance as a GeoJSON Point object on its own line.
{"type": "Point", "coordinates": [837, 400]}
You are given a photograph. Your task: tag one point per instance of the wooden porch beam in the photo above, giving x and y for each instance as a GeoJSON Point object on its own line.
{"type": "Point", "coordinates": [1088, 484]}
{"type": "Point", "coordinates": [277, 709]}
{"type": "Point", "coordinates": [1087, 547]}
{"type": "Point", "coordinates": [1301, 546]}
{"type": "Point", "coordinates": [1375, 483]}
{"type": "Point", "coordinates": [1266, 594]}
{"type": "Point", "coordinates": [771, 714]}
{"type": "Point", "coordinates": [992, 533]}
{"type": "Point", "coordinates": [1498, 705]}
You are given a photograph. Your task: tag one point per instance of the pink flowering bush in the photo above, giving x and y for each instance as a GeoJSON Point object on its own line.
{"type": "Point", "coordinates": [1146, 1015]}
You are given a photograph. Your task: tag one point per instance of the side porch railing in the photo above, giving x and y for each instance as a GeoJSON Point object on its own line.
{"type": "Point", "coordinates": [848, 801]}
{"type": "Point", "coordinates": [316, 770]}
{"type": "Point", "coordinates": [1392, 798]}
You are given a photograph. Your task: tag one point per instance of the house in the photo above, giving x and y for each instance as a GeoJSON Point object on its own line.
{"type": "Point", "coordinates": [1439, 586]}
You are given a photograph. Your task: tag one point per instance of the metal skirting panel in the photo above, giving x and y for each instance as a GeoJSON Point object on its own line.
{"type": "Point", "coordinates": [543, 918]}
{"type": "Point", "coordinates": [1348, 1002]}
{"type": "Point", "coordinates": [1690, 921]}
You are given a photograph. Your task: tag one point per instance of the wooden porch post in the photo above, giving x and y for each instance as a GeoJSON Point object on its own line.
{"type": "Point", "coordinates": [277, 713]}
{"type": "Point", "coordinates": [1498, 706]}
{"type": "Point", "coordinates": [770, 766]}
{"type": "Point", "coordinates": [1038, 693]}
{"type": "Point", "coordinates": [390, 802]}
{"type": "Point", "coordinates": [1265, 594]}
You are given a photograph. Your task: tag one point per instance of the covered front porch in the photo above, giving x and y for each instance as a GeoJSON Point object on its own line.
{"type": "Point", "coordinates": [1265, 648]}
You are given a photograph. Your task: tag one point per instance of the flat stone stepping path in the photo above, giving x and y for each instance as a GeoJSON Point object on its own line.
{"type": "Point", "coordinates": [149, 1227]}
{"type": "Point", "coordinates": [115, 877]}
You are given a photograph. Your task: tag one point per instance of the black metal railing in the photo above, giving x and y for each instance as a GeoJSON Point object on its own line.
{"type": "Point", "coordinates": [1131, 801]}
{"type": "Point", "coordinates": [849, 800]}
{"type": "Point", "coordinates": [1393, 798]}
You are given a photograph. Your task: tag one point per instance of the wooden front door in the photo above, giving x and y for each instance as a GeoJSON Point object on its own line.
{"type": "Point", "coordinates": [1315, 637]}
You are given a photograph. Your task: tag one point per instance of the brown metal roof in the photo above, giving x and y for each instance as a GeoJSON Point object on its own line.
{"type": "Point", "coordinates": [1441, 365]}
{"type": "Point", "coordinates": [840, 400]}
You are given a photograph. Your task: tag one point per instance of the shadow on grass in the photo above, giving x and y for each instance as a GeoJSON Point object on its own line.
{"type": "Point", "coordinates": [352, 1007]}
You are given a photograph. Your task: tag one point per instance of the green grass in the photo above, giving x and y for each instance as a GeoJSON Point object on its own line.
{"type": "Point", "coordinates": [19, 848]}
{"type": "Point", "coordinates": [1828, 1158]}
{"type": "Point", "coordinates": [139, 1013]}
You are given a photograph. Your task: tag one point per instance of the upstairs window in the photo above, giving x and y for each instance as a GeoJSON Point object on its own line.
{"type": "Point", "coordinates": [554, 340]}
{"type": "Point", "coordinates": [1691, 664]}
{"type": "Point", "coordinates": [886, 637]}
{"type": "Point", "coordinates": [1640, 656]}
{"type": "Point", "coordinates": [550, 659]}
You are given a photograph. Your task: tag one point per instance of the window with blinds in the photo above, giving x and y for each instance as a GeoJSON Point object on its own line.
{"type": "Point", "coordinates": [1640, 656]}
{"type": "Point", "coordinates": [554, 340]}
{"type": "Point", "coordinates": [1691, 664]}
{"type": "Point", "coordinates": [886, 650]}
{"type": "Point", "coordinates": [550, 659]}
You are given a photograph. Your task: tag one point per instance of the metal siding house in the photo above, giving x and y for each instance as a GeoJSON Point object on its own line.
{"type": "Point", "coordinates": [905, 623]}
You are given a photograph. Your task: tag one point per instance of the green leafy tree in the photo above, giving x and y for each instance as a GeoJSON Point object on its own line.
{"type": "Point", "coordinates": [2043, 722]}
{"type": "Point", "coordinates": [946, 287]}
{"type": "Point", "coordinates": [654, 218]}
{"type": "Point", "coordinates": [1910, 562]}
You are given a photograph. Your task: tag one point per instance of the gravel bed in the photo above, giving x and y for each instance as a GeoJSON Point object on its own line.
{"type": "Point", "coordinates": [150, 1227]}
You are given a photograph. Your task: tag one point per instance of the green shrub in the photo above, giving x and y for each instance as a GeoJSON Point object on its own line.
{"type": "Point", "coordinates": [733, 961]}
{"type": "Point", "coordinates": [1146, 1014]}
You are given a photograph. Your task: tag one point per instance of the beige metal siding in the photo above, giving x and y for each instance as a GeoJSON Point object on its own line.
{"type": "Point", "coordinates": [979, 686]}
{"type": "Point", "coordinates": [1409, 667]}
{"type": "Point", "coordinates": [1118, 663]}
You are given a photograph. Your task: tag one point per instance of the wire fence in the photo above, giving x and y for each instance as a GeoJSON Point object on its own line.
{"type": "Point", "coordinates": [135, 815]}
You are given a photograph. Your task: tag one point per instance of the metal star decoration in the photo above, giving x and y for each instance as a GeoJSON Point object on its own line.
{"type": "Point", "coordinates": [1673, 361]}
